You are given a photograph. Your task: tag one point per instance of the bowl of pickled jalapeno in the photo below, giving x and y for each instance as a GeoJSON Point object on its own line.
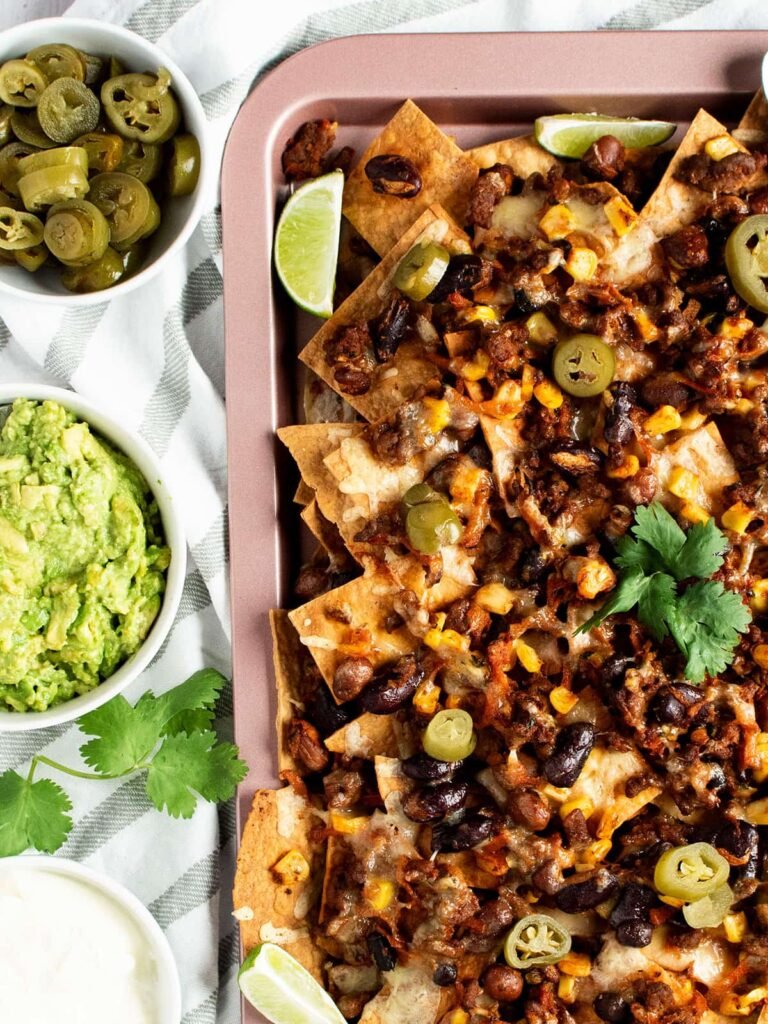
{"type": "Point", "coordinates": [101, 159]}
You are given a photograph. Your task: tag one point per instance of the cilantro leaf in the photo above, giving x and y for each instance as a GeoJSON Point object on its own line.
{"type": "Point", "coordinates": [634, 554]}
{"type": "Point", "coordinates": [655, 526]}
{"type": "Point", "coordinates": [628, 592]}
{"type": "Point", "coordinates": [656, 603]}
{"type": "Point", "coordinates": [32, 814]}
{"type": "Point", "coordinates": [188, 765]}
{"type": "Point", "coordinates": [706, 624]}
{"type": "Point", "coordinates": [189, 706]}
{"type": "Point", "coordinates": [702, 553]}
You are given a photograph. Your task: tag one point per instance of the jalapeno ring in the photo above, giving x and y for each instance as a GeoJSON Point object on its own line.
{"type": "Point", "coordinates": [536, 940]}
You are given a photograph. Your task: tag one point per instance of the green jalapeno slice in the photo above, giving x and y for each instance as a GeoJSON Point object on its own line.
{"type": "Point", "coordinates": [104, 150]}
{"type": "Point", "coordinates": [746, 259]}
{"type": "Point", "coordinates": [143, 160]}
{"type": "Point", "coordinates": [62, 156]}
{"type": "Point", "coordinates": [76, 232]}
{"type": "Point", "coordinates": [19, 229]}
{"type": "Point", "coordinates": [26, 127]}
{"type": "Point", "coordinates": [33, 258]}
{"type": "Point", "coordinates": [128, 205]}
{"type": "Point", "coordinates": [52, 185]}
{"type": "Point", "coordinates": [10, 158]}
{"type": "Point", "coordinates": [420, 493]}
{"type": "Point", "coordinates": [183, 165]}
{"type": "Point", "coordinates": [134, 257]}
{"type": "Point", "coordinates": [710, 911]}
{"type": "Point", "coordinates": [94, 67]}
{"type": "Point", "coordinates": [6, 126]}
{"type": "Point", "coordinates": [536, 940]}
{"type": "Point", "coordinates": [583, 365]}
{"type": "Point", "coordinates": [96, 276]}
{"type": "Point", "coordinates": [22, 83]}
{"type": "Point", "coordinates": [430, 522]}
{"type": "Point", "coordinates": [141, 106]}
{"type": "Point", "coordinates": [450, 735]}
{"type": "Point", "coordinates": [421, 269]}
{"type": "Point", "coordinates": [690, 872]}
{"type": "Point", "coordinates": [58, 60]}
{"type": "Point", "coordinates": [68, 108]}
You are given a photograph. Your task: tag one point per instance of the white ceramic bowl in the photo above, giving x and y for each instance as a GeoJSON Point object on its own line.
{"type": "Point", "coordinates": [142, 455]}
{"type": "Point", "coordinates": [168, 997]}
{"type": "Point", "coordinates": [180, 216]}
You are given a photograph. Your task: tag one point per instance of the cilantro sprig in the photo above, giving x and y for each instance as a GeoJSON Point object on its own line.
{"type": "Point", "coordinates": [658, 564]}
{"type": "Point", "coordinates": [170, 738]}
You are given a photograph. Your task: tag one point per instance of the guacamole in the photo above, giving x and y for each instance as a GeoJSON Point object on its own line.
{"type": "Point", "coordinates": [82, 557]}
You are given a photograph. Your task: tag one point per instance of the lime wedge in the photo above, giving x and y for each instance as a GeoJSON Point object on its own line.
{"type": "Point", "coordinates": [307, 243]}
{"type": "Point", "coordinates": [571, 135]}
{"type": "Point", "coordinates": [280, 988]}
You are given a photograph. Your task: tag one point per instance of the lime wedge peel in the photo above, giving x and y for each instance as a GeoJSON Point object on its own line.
{"type": "Point", "coordinates": [278, 986]}
{"type": "Point", "coordinates": [571, 135]}
{"type": "Point", "coordinates": [306, 246]}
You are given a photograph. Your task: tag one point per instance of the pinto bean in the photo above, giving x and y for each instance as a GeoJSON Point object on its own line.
{"type": "Point", "coordinates": [306, 746]}
{"type": "Point", "coordinates": [505, 984]}
{"type": "Point", "coordinates": [605, 158]}
{"type": "Point", "coordinates": [688, 247]}
{"type": "Point", "coordinates": [351, 676]}
{"type": "Point", "coordinates": [393, 175]}
{"type": "Point", "coordinates": [529, 809]}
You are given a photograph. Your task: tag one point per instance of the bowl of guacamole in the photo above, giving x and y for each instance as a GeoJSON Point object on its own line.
{"type": "Point", "coordinates": [91, 557]}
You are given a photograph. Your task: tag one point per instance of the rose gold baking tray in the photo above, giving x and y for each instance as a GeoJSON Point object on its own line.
{"type": "Point", "coordinates": [478, 87]}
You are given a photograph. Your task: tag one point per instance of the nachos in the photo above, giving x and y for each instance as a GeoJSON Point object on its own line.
{"type": "Point", "coordinates": [523, 693]}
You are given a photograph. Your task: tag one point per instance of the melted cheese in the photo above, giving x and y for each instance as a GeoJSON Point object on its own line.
{"type": "Point", "coordinates": [409, 996]}
{"type": "Point", "coordinates": [518, 216]}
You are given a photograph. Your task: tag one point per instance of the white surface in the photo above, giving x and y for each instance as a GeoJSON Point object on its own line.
{"type": "Point", "coordinates": [142, 456]}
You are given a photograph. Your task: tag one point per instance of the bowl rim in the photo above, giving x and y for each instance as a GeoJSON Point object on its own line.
{"type": "Point", "coordinates": [139, 452]}
{"type": "Point", "coordinates": [189, 99]}
{"type": "Point", "coordinates": [167, 969]}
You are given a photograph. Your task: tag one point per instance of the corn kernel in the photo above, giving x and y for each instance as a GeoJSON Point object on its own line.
{"type": "Point", "coordinates": [760, 654]}
{"type": "Point", "coordinates": [683, 483]}
{"type": "Point", "coordinates": [479, 314]}
{"type": "Point", "coordinates": [599, 849]}
{"type": "Point", "coordinates": [527, 381]}
{"type": "Point", "coordinates": [760, 772]}
{"type": "Point", "coordinates": [581, 263]}
{"type": "Point", "coordinates": [759, 599]}
{"type": "Point", "coordinates": [436, 639]}
{"type": "Point", "coordinates": [495, 598]}
{"type": "Point", "coordinates": [453, 700]}
{"type": "Point", "coordinates": [508, 400]}
{"type": "Point", "coordinates": [557, 794]}
{"type": "Point", "coordinates": [437, 413]}
{"type": "Point", "coordinates": [694, 513]}
{"type": "Point", "coordinates": [735, 327]}
{"type": "Point", "coordinates": [756, 812]}
{"type": "Point", "coordinates": [620, 215]}
{"type": "Point", "coordinates": [720, 147]}
{"type": "Point", "coordinates": [477, 368]}
{"type": "Point", "coordinates": [541, 330]}
{"type": "Point", "coordinates": [557, 222]}
{"type": "Point", "coordinates": [737, 1005]}
{"type": "Point", "coordinates": [743, 406]}
{"type": "Point", "coordinates": [738, 517]}
{"type": "Point", "coordinates": [548, 394]}
{"type": "Point", "coordinates": [648, 329]}
{"type": "Point", "coordinates": [563, 700]}
{"type": "Point", "coordinates": [576, 965]}
{"type": "Point", "coordinates": [735, 926]}
{"type": "Point", "coordinates": [672, 901]}
{"type": "Point", "coordinates": [578, 803]}
{"type": "Point", "coordinates": [347, 824]}
{"type": "Point", "coordinates": [457, 1016]}
{"type": "Point", "coordinates": [566, 988]}
{"type": "Point", "coordinates": [594, 577]}
{"type": "Point", "coordinates": [527, 656]}
{"type": "Point", "coordinates": [379, 892]}
{"type": "Point", "coordinates": [427, 697]}
{"type": "Point", "coordinates": [629, 467]}
{"type": "Point", "coordinates": [665, 418]}
{"type": "Point", "coordinates": [693, 419]}
{"type": "Point", "coordinates": [292, 868]}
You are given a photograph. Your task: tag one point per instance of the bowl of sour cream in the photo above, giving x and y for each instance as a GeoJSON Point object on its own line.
{"type": "Point", "coordinates": [76, 947]}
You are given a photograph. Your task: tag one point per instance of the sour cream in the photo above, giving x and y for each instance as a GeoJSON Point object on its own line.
{"type": "Point", "coordinates": [71, 953]}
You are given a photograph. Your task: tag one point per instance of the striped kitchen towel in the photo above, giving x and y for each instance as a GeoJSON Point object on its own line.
{"type": "Point", "coordinates": [155, 357]}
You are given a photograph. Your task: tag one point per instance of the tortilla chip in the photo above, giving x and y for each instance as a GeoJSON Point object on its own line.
{"type": "Point", "coordinates": [674, 203]}
{"type": "Point", "coordinates": [352, 620]}
{"type": "Point", "coordinates": [328, 537]}
{"type": "Point", "coordinates": [447, 176]}
{"type": "Point", "coordinates": [506, 446]}
{"type": "Point", "coordinates": [366, 736]}
{"type": "Point", "coordinates": [523, 154]}
{"type": "Point", "coordinates": [395, 382]}
{"type": "Point", "coordinates": [704, 453]}
{"type": "Point", "coordinates": [304, 494]}
{"type": "Point", "coordinates": [268, 910]}
{"type": "Point", "coordinates": [408, 996]}
{"type": "Point", "coordinates": [324, 405]}
{"type": "Point", "coordinates": [286, 653]}
{"type": "Point", "coordinates": [464, 865]}
{"type": "Point", "coordinates": [756, 115]}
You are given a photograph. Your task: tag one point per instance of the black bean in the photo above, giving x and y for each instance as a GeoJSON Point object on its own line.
{"type": "Point", "coordinates": [717, 778]}
{"type": "Point", "coordinates": [687, 694]}
{"type": "Point", "coordinates": [532, 566]}
{"type": "Point", "coordinates": [635, 933]}
{"type": "Point", "coordinates": [445, 974]}
{"type": "Point", "coordinates": [613, 670]}
{"type": "Point", "coordinates": [634, 904]}
{"type": "Point", "coordinates": [395, 689]}
{"type": "Point", "coordinates": [667, 709]}
{"type": "Point", "coordinates": [323, 711]}
{"type": "Point", "coordinates": [434, 803]}
{"type": "Point", "coordinates": [740, 839]}
{"type": "Point", "coordinates": [393, 175]}
{"type": "Point", "coordinates": [618, 428]}
{"type": "Point", "coordinates": [586, 895]}
{"type": "Point", "coordinates": [463, 273]}
{"type": "Point", "coordinates": [473, 829]}
{"type": "Point", "coordinates": [611, 1007]}
{"type": "Point", "coordinates": [424, 768]}
{"type": "Point", "coordinates": [381, 951]}
{"type": "Point", "coordinates": [389, 329]}
{"type": "Point", "coordinates": [572, 748]}
{"type": "Point", "coordinates": [523, 302]}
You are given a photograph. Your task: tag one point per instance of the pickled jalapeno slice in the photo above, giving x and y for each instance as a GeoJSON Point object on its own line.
{"type": "Point", "coordinates": [68, 108]}
{"type": "Point", "coordinates": [450, 735]}
{"type": "Point", "coordinates": [33, 258]}
{"type": "Point", "coordinates": [710, 911]}
{"type": "Point", "coordinates": [583, 365]}
{"type": "Point", "coordinates": [58, 60]}
{"type": "Point", "coordinates": [95, 277]}
{"type": "Point", "coordinates": [22, 83]}
{"type": "Point", "coordinates": [431, 526]}
{"type": "Point", "coordinates": [94, 67]}
{"type": "Point", "coordinates": [76, 232]}
{"type": "Point", "coordinates": [183, 165]}
{"type": "Point", "coordinates": [61, 156]}
{"type": "Point", "coordinates": [418, 494]}
{"type": "Point", "coordinates": [141, 106]}
{"type": "Point", "coordinates": [10, 157]}
{"type": "Point", "coordinates": [6, 127]}
{"type": "Point", "coordinates": [143, 160]}
{"type": "Point", "coordinates": [746, 259]}
{"type": "Point", "coordinates": [128, 205]}
{"type": "Point", "coordinates": [690, 872]}
{"type": "Point", "coordinates": [104, 150]}
{"type": "Point", "coordinates": [26, 127]}
{"type": "Point", "coordinates": [19, 229]}
{"type": "Point", "coordinates": [536, 940]}
{"type": "Point", "coordinates": [52, 185]}
{"type": "Point", "coordinates": [421, 269]}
